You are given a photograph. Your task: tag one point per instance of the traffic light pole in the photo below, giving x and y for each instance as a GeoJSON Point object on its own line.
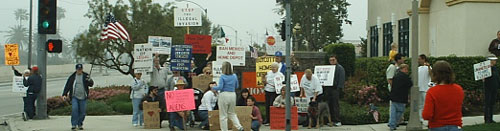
{"type": "Point", "coordinates": [30, 35]}
{"type": "Point", "coordinates": [41, 102]}
{"type": "Point", "coordinates": [414, 121]}
{"type": "Point", "coordinates": [288, 66]}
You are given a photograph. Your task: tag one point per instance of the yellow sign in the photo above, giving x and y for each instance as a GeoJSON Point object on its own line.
{"type": "Point", "coordinates": [263, 65]}
{"type": "Point", "coordinates": [11, 54]}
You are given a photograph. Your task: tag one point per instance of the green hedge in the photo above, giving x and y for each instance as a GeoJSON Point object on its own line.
{"type": "Point", "coordinates": [122, 107]}
{"type": "Point", "coordinates": [352, 114]}
{"type": "Point", "coordinates": [95, 108]}
{"type": "Point", "coordinates": [346, 56]}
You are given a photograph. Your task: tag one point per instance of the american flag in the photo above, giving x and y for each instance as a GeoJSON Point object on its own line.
{"type": "Point", "coordinates": [253, 52]}
{"type": "Point", "coordinates": [113, 30]}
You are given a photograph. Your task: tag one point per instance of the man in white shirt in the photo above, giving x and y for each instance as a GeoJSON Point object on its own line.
{"type": "Point", "coordinates": [423, 81]}
{"type": "Point", "coordinates": [311, 86]}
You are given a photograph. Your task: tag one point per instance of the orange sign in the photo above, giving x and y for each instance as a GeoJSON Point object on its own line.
{"type": "Point", "coordinates": [249, 82]}
{"type": "Point", "coordinates": [278, 121]}
{"type": "Point", "coordinates": [11, 54]}
{"type": "Point", "coordinates": [271, 40]}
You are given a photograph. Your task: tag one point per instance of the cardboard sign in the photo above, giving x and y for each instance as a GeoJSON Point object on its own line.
{"type": "Point", "coordinates": [180, 100]}
{"type": "Point", "coordinates": [202, 44]}
{"type": "Point", "coordinates": [325, 74]}
{"type": "Point", "coordinates": [294, 83]}
{"type": "Point", "coordinates": [161, 45]}
{"type": "Point", "coordinates": [187, 17]}
{"type": "Point", "coordinates": [262, 66]}
{"type": "Point", "coordinates": [249, 82]}
{"type": "Point", "coordinates": [151, 115]}
{"type": "Point", "coordinates": [181, 58]}
{"type": "Point", "coordinates": [243, 113]}
{"type": "Point", "coordinates": [278, 83]}
{"type": "Point", "coordinates": [143, 58]}
{"type": "Point", "coordinates": [482, 70]}
{"type": "Point", "coordinates": [233, 54]}
{"type": "Point", "coordinates": [278, 119]}
{"type": "Point", "coordinates": [201, 82]}
{"type": "Point", "coordinates": [11, 54]}
{"type": "Point", "coordinates": [17, 84]}
{"type": "Point", "coordinates": [302, 104]}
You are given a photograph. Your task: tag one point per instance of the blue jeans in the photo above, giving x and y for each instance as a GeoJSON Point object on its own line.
{"type": "Point", "coordinates": [78, 108]}
{"type": "Point", "coordinates": [203, 114]}
{"type": "Point", "coordinates": [29, 105]}
{"type": "Point", "coordinates": [255, 125]}
{"type": "Point", "coordinates": [446, 128]}
{"type": "Point", "coordinates": [137, 115]}
{"type": "Point", "coordinates": [397, 110]}
{"type": "Point", "coordinates": [176, 120]}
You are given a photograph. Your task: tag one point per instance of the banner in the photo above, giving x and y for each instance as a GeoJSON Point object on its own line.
{"type": "Point", "coordinates": [180, 100]}
{"type": "Point", "coordinates": [294, 83]}
{"type": "Point", "coordinates": [216, 71]}
{"type": "Point", "coordinates": [262, 66]}
{"type": "Point", "coordinates": [202, 44]}
{"type": "Point", "coordinates": [11, 54]}
{"type": "Point", "coordinates": [143, 58]}
{"type": "Point", "coordinates": [151, 115]}
{"type": "Point", "coordinates": [187, 17]}
{"type": "Point", "coordinates": [249, 82]}
{"type": "Point", "coordinates": [278, 83]}
{"type": "Point", "coordinates": [278, 121]}
{"type": "Point", "coordinates": [243, 113]}
{"type": "Point", "coordinates": [325, 74]}
{"type": "Point", "coordinates": [233, 54]}
{"type": "Point", "coordinates": [201, 82]}
{"type": "Point", "coordinates": [482, 70]}
{"type": "Point", "coordinates": [161, 45]}
{"type": "Point", "coordinates": [181, 58]}
{"type": "Point", "coordinates": [302, 104]}
{"type": "Point", "coordinates": [17, 84]}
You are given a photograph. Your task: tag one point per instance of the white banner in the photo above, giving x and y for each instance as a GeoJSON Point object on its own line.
{"type": "Point", "coordinates": [278, 83]}
{"type": "Point", "coordinates": [302, 104]}
{"type": "Point", "coordinates": [216, 70]}
{"type": "Point", "coordinates": [482, 70]}
{"type": "Point", "coordinates": [187, 17]}
{"type": "Point", "coordinates": [294, 83]}
{"type": "Point", "coordinates": [325, 74]}
{"type": "Point", "coordinates": [161, 45]}
{"type": "Point", "coordinates": [232, 54]}
{"type": "Point", "coordinates": [143, 58]}
{"type": "Point", "coordinates": [17, 84]}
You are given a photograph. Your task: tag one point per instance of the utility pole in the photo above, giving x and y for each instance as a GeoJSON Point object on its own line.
{"type": "Point", "coordinates": [30, 37]}
{"type": "Point", "coordinates": [414, 121]}
{"type": "Point", "coordinates": [41, 102]}
{"type": "Point", "coordinates": [288, 67]}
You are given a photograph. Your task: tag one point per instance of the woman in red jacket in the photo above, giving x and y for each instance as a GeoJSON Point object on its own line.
{"type": "Point", "coordinates": [443, 102]}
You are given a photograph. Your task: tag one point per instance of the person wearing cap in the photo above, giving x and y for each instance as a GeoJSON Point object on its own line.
{"type": "Point", "coordinates": [139, 90]}
{"type": "Point", "coordinates": [34, 84]}
{"type": "Point", "coordinates": [278, 58]}
{"type": "Point", "coordinates": [491, 84]}
{"type": "Point", "coordinates": [77, 90]}
{"type": "Point", "coordinates": [494, 47]}
{"type": "Point", "coordinates": [176, 118]}
{"type": "Point", "coordinates": [25, 76]}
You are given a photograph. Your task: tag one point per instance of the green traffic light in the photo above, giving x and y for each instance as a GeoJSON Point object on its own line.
{"type": "Point", "coordinates": [45, 24]}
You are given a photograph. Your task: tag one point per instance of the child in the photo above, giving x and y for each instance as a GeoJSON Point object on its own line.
{"type": "Point", "coordinates": [393, 52]}
{"type": "Point", "coordinates": [280, 100]}
{"type": "Point", "coordinates": [256, 116]}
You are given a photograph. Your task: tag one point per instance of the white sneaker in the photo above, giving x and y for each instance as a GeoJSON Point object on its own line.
{"type": "Point", "coordinates": [135, 125]}
{"type": "Point", "coordinates": [338, 124]}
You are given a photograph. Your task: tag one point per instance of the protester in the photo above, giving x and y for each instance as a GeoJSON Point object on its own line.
{"type": "Point", "coordinates": [228, 82]}
{"type": "Point", "coordinates": [34, 84]}
{"type": "Point", "coordinates": [242, 99]}
{"type": "Point", "coordinates": [399, 95]}
{"type": "Point", "coordinates": [159, 80]}
{"type": "Point", "coordinates": [279, 59]}
{"type": "Point", "coordinates": [311, 86]}
{"type": "Point", "coordinates": [423, 81]}
{"type": "Point", "coordinates": [208, 103]}
{"type": "Point", "coordinates": [256, 116]}
{"type": "Point", "coordinates": [491, 85]}
{"type": "Point", "coordinates": [171, 83]}
{"type": "Point", "coordinates": [78, 88]}
{"type": "Point", "coordinates": [207, 71]}
{"type": "Point", "coordinates": [443, 102]}
{"type": "Point", "coordinates": [494, 47]}
{"type": "Point", "coordinates": [139, 90]}
{"type": "Point", "coordinates": [269, 88]}
{"type": "Point", "coordinates": [332, 93]}
{"type": "Point", "coordinates": [280, 101]}
{"type": "Point", "coordinates": [25, 76]}
{"type": "Point", "coordinates": [152, 96]}
{"type": "Point", "coordinates": [177, 118]}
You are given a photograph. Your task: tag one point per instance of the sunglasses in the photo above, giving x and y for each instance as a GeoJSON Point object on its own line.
{"type": "Point", "coordinates": [208, 73]}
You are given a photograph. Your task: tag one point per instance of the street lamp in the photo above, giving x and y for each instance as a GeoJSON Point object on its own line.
{"type": "Point", "coordinates": [235, 32]}
{"type": "Point", "coordinates": [204, 9]}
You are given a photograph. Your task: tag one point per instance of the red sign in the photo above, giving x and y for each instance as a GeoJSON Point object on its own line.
{"type": "Point", "coordinates": [249, 82]}
{"type": "Point", "coordinates": [271, 40]}
{"type": "Point", "coordinates": [180, 100]}
{"type": "Point", "coordinates": [278, 121]}
{"type": "Point", "coordinates": [201, 43]}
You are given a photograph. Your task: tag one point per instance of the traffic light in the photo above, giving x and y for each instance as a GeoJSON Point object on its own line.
{"type": "Point", "coordinates": [54, 46]}
{"type": "Point", "coordinates": [47, 20]}
{"type": "Point", "coordinates": [283, 30]}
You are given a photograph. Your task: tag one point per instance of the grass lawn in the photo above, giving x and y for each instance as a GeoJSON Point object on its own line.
{"type": "Point", "coordinates": [483, 127]}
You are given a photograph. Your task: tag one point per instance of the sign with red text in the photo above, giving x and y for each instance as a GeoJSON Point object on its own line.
{"type": "Point", "coordinates": [278, 121]}
{"type": "Point", "coordinates": [11, 54]}
{"type": "Point", "coordinates": [143, 58]}
{"type": "Point", "coordinates": [232, 54]}
{"type": "Point", "coordinates": [180, 100]}
{"type": "Point", "coordinates": [278, 83]}
{"type": "Point", "coordinates": [202, 44]}
{"type": "Point", "coordinates": [187, 17]}
{"type": "Point", "coordinates": [294, 83]}
{"type": "Point", "coordinates": [325, 74]}
{"type": "Point", "coordinates": [482, 70]}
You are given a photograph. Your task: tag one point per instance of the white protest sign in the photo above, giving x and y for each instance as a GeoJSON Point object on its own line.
{"type": "Point", "coordinates": [233, 54]}
{"type": "Point", "coordinates": [17, 84]}
{"type": "Point", "coordinates": [302, 103]}
{"type": "Point", "coordinates": [278, 83]}
{"type": "Point", "coordinates": [325, 74]}
{"type": "Point", "coordinates": [161, 45]}
{"type": "Point", "coordinates": [482, 70]}
{"type": "Point", "coordinates": [216, 70]}
{"type": "Point", "coordinates": [143, 58]}
{"type": "Point", "coordinates": [187, 17]}
{"type": "Point", "coordinates": [294, 83]}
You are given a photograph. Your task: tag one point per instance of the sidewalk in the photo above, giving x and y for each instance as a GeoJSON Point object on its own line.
{"type": "Point", "coordinates": [123, 123]}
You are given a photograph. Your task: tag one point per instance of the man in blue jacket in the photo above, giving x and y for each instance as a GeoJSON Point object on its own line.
{"type": "Point", "coordinates": [34, 84]}
{"type": "Point", "coordinates": [78, 87]}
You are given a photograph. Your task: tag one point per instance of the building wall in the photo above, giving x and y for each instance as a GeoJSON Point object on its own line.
{"type": "Point", "coordinates": [482, 24]}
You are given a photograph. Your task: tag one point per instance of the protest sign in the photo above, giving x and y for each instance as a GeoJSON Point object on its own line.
{"type": "Point", "coordinates": [249, 82]}
{"type": "Point", "coordinates": [187, 17]}
{"type": "Point", "coordinates": [278, 83]}
{"type": "Point", "coordinates": [294, 83]}
{"type": "Point", "coordinates": [202, 44]}
{"type": "Point", "coordinates": [180, 100]}
{"type": "Point", "coordinates": [325, 74]}
{"type": "Point", "coordinates": [232, 54]}
{"type": "Point", "coordinates": [151, 115]}
{"type": "Point", "coordinates": [302, 104]}
{"type": "Point", "coordinates": [161, 45]}
{"type": "Point", "coordinates": [278, 121]}
{"type": "Point", "coordinates": [17, 84]}
{"type": "Point", "coordinates": [143, 58]}
{"type": "Point", "coordinates": [482, 70]}
{"type": "Point", "coordinates": [243, 113]}
{"type": "Point", "coordinates": [181, 58]}
{"type": "Point", "coordinates": [11, 54]}
{"type": "Point", "coordinates": [216, 70]}
{"type": "Point", "coordinates": [201, 82]}
{"type": "Point", "coordinates": [262, 66]}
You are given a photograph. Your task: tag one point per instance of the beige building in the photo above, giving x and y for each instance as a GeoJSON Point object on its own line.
{"type": "Point", "coordinates": [446, 27]}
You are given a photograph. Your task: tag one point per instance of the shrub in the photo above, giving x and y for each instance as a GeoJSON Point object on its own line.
{"type": "Point", "coordinates": [60, 111]}
{"type": "Point", "coordinates": [104, 93]}
{"type": "Point", "coordinates": [118, 98]}
{"type": "Point", "coordinates": [346, 56]}
{"type": "Point", "coordinates": [56, 102]}
{"type": "Point", "coordinates": [122, 107]}
{"type": "Point", "coordinates": [99, 108]}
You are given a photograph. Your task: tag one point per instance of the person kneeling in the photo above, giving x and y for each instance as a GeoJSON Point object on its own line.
{"type": "Point", "coordinates": [256, 116]}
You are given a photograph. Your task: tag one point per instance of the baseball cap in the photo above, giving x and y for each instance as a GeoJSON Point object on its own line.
{"type": "Point", "coordinates": [79, 66]}
{"type": "Point", "coordinates": [278, 53]}
{"type": "Point", "coordinates": [34, 68]}
{"type": "Point", "coordinates": [492, 57]}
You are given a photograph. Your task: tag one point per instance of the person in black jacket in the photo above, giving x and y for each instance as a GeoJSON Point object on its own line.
{"type": "Point", "coordinates": [491, 84]}
{"type": "Point", "coordinates": [401, 85]}
{"type": "Point", "coordinates": [242, 99]}
{"type": "Point", "coordinates": [25, 76]}
{"type": "Point", "coordinates": [34, 84]}
{"type": "Point", "coordinates": [78, 88]}
{"type": "Point", "coordinates": [153, 97]}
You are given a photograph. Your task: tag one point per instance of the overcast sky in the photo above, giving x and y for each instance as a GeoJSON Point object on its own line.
{"type": "Point", "coordinates": [250, 17]}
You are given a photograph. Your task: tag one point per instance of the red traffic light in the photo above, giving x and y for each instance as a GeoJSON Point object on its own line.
{"type": "Point", "coordinates": [54, 46]}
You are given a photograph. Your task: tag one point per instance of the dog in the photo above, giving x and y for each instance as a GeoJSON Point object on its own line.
{"type": "Point", "coordinates": [318, 111]}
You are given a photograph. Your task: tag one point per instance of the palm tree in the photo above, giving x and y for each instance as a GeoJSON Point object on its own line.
{"type": "Point", "coordinates": [18, 34]}
{"type": "Point", "coordinates": [60, 15]}
{"type": "Point", "coordinates": [21, 14]}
